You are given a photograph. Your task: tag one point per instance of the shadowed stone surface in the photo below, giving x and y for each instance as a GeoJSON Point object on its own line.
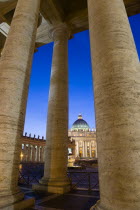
{"type": "Point", "coordinates": [70, 202]}
{"type": "Point", "coordinates": [55, 170]}
{"type": "Point", "coordinates": [116, 74]}
{"type": "Point", "coordinates": [73, 12]}
{"type": "Point", "coordinates": [15, 65]}
{"type": "Point", "coordinates": [75, 200]}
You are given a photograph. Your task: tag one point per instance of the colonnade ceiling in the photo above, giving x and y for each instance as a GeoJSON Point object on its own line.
{"type": "Point", "coordinates": [73, 12]}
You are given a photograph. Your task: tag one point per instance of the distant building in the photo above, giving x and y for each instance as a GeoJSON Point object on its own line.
{"type": "Point", "coordinates": [84, 138]}
{"type": "Point", "coordinates": [81, 143]}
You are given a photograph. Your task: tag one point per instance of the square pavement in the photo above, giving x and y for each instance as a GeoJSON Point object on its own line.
{"type": "Point", "coordinates": [74, 200]}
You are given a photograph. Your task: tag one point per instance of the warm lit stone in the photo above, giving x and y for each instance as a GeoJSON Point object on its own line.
{"type": "Point", "coordinates": [116, 75]}
{"type": "Point", "coordinates": [55, 172]}
{"type": "Point", "coordinates": [15, 65]}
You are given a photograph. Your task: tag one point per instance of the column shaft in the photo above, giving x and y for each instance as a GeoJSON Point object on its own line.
{"type": "Point", "coordinates": [117, 103]}
{"type": "Point", "coordinates": [15, 65]}
{"type": "Point", "coordinates": [38, 153]}
{"type": "Point", "coordinates": [55, 173]}
{"type": "Point", "coordinates": [29, 157]}
{"type": "Point", "coordinates": [78, 148]}
{"type": "Point", "coordinates": [96, 155]}
{"type": "Point", "coordinates": [90, 148]}
{"type": "Point", "coordinates": [33, 153]}
{"type": "Point", "coordinates": [43, 155]}
{"type": "Point", "coordinates": [24, 153]}
{"type": "Point", "coordinates": [83, 149]}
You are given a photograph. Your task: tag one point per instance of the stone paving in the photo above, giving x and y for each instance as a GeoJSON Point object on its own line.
{"type": "Point", "coordinates": [75, 200]}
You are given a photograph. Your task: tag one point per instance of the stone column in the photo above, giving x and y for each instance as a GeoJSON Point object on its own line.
{"type": "Point", "coordinates": [38, 154]}
{"type": "Point", "coordinates": [56, 151]}
{"type": "Point", "coordinates": [15, 65]}
{"type": "Point", "coordinates": [78, 148]}
{"type": "Point", "coordinates": [90, 148]}
{"type": "Point", "coordinates": [24, 153]}
{"type": "Point", "coordinates": [29, 156]}
{"type": "Point", "coordinates": [116, 76]}
{"type": "Point", "coordinates": [96, 155]}
{"type": "Point", "coordinates": [43, 154]}
{"type": "Point", "coordinates": [27, 153]}
{"type": "Point", "coordinates": [83, 149]}
{"type": "Point", "coordinates": [33, 153]}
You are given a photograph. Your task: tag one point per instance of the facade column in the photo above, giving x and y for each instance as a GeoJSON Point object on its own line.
{"type": "Point", "coordinates": [24, 153]}
{"type": "Point", "coordinates": [29, 156]}
{"type": "Point", "coordinates": [15, 65]}
{"type": "Point", "coordinates": [33, 153]}
{"type": "Point", "coordinates": [38, 154]}
{"type": "Point", "coordinates": [96, 154]}
{"type": "Point", "coordinates": [116, 76]}
{"type": "Point", "coordinates": [43, 154]}
{"type": "Point", "coordinates": [90, 148]}
{"type": "Point", "coordinates": [83, 149]}
{"type": "Point", "coordinates": [78, 148]}
{"type": "Point", "coordinates": [56, 151]}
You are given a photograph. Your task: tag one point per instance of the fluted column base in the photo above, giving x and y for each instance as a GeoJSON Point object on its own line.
{"type": "Point", "coordinates": [58, 186]}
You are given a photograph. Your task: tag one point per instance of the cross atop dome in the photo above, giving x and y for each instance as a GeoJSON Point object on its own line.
{"type": "Point", "coordinates": [80, 116]}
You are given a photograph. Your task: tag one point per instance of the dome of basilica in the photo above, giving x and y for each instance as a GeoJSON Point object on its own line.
{"type": "Point", "coordinates": [80, 124]}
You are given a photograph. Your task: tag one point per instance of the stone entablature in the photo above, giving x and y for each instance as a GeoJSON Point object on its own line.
{"type": "Point", "coordinates": [33, 140]}
{"type": "Point", "coordinates": [82, 133]}
{"type": "Point", "coordinates": [75, 15]}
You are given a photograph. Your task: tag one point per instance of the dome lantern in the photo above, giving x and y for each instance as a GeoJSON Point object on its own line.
{"type": "Point", "coordinates": [80, 116]}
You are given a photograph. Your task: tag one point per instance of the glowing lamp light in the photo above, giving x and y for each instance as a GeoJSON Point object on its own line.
{"type": "Point", "coordinates": [21, 156]}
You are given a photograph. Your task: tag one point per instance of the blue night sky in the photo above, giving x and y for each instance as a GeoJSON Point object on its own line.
{"type": "Point", "coordinates": [81, 99]}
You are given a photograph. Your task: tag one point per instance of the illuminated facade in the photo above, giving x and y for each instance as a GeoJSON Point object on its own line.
{"type": "Point", "coordinates": [33, 148]}
{"type": "Point", "coordinates": [85, 139]}
{"type": "Point", "coordinates": [81, 143]}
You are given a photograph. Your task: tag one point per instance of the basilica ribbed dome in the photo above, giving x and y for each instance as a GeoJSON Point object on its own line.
{"type": "Point", "coordinates": [80, 124]}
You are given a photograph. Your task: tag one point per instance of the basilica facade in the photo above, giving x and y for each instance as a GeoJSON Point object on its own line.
{"type": "Point", "coordinates": [84, 138]}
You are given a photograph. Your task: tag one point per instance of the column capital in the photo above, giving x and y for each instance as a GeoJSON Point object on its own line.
{"type": "Point", "coordinates": [59, 31]}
